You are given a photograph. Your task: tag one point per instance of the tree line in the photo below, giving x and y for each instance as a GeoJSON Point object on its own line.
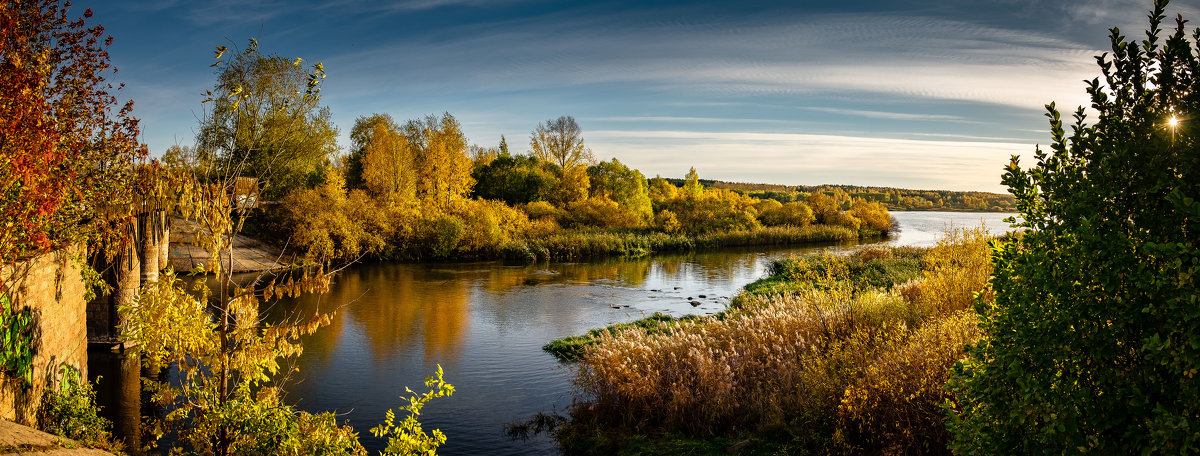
{"type": "Point", "coordinates": [420, 189]}
{"type": "Point", "coordinates": [896, 199]}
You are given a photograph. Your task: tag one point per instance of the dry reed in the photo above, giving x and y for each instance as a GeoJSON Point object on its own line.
{"type": "Point", "coordinates": [871, 361]}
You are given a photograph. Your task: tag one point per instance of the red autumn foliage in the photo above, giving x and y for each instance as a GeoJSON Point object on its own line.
{"type": "Point", "coordinates": [67, 145]}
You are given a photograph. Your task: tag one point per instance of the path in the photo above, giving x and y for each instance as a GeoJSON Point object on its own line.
{"type": "Point", "coordinates": [19, 440]}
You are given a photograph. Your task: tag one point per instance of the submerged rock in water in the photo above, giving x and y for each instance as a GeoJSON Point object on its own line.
{"type": "Point", "coordinates": [695, 303]}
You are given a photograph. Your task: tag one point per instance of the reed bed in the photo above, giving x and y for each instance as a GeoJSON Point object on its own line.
{"type": "Point", "coordinates": [845, 366]}
{"type": "Point", "coordinates": [584, 244]}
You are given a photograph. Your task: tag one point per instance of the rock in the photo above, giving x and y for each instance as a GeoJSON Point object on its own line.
{"type": "Point", "coordinates": [703, 296]}
{"type": "Point", "coordinates": [678, 288]}
{"type": "Point", "coordinates": [695, 303]}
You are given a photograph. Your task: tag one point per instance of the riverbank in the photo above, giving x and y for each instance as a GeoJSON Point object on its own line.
{"type": "Point", "coordinates": [828, 354]}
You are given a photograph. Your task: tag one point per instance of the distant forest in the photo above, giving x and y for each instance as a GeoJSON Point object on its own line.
{"type": "Point", "coordinates": [896, 199]}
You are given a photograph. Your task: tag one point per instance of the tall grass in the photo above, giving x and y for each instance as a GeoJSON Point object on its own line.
{"type": "Point", "coordinates": [838, 365]}
{"type": "Point", "coordinates": [583, 244]}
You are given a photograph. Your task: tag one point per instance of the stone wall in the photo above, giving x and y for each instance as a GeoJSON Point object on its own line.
{"type": "Point", "coordinates": [52, 288]}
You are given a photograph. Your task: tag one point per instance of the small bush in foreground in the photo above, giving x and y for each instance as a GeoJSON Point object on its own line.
{"type": "Point", "coordinates": [70, 411]}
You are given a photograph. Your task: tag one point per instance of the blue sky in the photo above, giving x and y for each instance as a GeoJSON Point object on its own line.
{"type": "Point", "coordinates": [916, 94]}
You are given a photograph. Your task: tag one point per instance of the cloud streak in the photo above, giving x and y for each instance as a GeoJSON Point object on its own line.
{"type": "Point", "coordinates": [814, 158]}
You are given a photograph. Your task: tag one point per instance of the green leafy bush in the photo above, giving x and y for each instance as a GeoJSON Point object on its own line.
{"type": "Point", "coordinates": [70, 411]}
{"type": "Point", "coordinates": [1094, 338]}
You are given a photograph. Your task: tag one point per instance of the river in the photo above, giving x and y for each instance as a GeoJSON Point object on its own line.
{"type": "Point", "coordinates": [485, 324]}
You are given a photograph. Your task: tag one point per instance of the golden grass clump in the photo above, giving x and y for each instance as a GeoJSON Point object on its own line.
{"type": "Point", "coordinates": [862, 366]}
{"type": "Point", "coordinates": [755, 367]}
{"type": "Point", "coordinates": [896, 402]}
{"type": "Point", "coordinates": [956, 269]}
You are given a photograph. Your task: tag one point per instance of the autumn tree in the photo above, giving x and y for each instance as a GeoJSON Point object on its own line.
{"type": "Point", "coordinates": [823, 206]}
{"type": "Point", "coordinates": [482, 155]}
{"type": "Point", "coordinates": [622, 184]}
{"type": "Point", "coordinates": [441, 159]}
{"type": "Point", "coordinates": [661, 192]}
{"type": "Point", "coordinates": [691, 185]}
{"type": "Point", "coordinates": [182, 157]}
{"type": "Point", "coordinates": [224, 397]}
{"type": "Point", "coordinates": [560, 141]}
{"type": "Point", "coordinates": [67, 144]}
{"type": "Point", "coordinates": [360, 137]}
{"type": "Point", "coordinates": [388, 166]}
{"type": "Point", "coordinates": [266, 121]}
{"type": "Point", "coordinates": [572, 185]}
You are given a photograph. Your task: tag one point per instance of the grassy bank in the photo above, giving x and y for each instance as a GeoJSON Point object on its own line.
{"type": "Point", "coordinates": [871, 267]}
{"type": "Point", "coordinates": [827, 355]}
{"type": "Point", "coordinates": [585, 244]}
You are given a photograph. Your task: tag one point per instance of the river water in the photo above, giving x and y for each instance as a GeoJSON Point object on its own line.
{"type": "Point", "coordinates": [485, 324]}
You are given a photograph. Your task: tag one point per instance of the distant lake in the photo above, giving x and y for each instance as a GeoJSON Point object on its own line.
{"type": "Point", "coordinates": [485, 323]}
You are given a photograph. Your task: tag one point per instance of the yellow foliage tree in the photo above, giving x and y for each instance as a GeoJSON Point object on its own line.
{"type": "Point", "coordinates": [442, 160]}
{"type": "Point", "coordinates": [388, 169]}
{"type": "Point", "coordinates": [691, 187]}
{"type": "Point", "coordinates": [573, 184]}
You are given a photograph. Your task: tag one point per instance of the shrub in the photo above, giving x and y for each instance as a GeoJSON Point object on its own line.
{"type": "Point", "coordinates": [441, 234]}
{"type": "Point", "coordinates": [69, 410]}
{"type": "Point", "coordinates": [489, 224]}
{"type": "Point", "coordinates": [1093, 342]}
{"type": "Point", "coordinates": [873, 215]}
{"type": "Point", "coordinates": [601, 212]}
{"type": "Point", "coordinates": [794, 213]}
{"type": "Point", "coordinates": [666, 222]}
{"type": "Point", "coordinates": [846, 219]}
{"type": "Point", "coordinates": [956, 270]}
{"type": "Point", "coordinates": [327, 224]}
{"type": "Point", "coordinates": [542, 209]}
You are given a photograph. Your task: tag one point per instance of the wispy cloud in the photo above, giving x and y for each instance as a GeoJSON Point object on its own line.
{"type": "Point", "coordinates": [675, 119]}
{"type": "Point", "coordinates": [886, 115]}
{"type": "Point", "coordinates": [914, 57]}
{"type": "Point", "coordinates": [366, 6]}
{"type": "Point", "coordinates": [813, 159]}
